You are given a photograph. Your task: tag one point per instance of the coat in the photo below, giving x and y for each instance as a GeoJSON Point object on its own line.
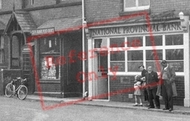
{"type": "Point", "coordinates": [151, 79]}
{"type": "Point", "coordinates": [171, 75]}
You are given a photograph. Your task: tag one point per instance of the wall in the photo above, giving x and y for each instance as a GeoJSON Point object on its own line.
{"type": "Point", "coordinates": [97, 10]}
{"type": "Point", "coordinates": [41, 16]}
{"type": "Point", "coordinates": [8, 5]}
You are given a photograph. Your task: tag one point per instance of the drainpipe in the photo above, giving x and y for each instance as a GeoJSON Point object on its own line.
{"type": "Point", "coordinates": [83, 49]}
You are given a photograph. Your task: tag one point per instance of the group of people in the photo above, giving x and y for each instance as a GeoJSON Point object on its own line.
{"type": "Point", "coordinates": [153, 86]}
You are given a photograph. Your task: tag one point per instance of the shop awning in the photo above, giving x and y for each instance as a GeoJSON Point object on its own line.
{"type": "Point", "coordinates": [63, 24]}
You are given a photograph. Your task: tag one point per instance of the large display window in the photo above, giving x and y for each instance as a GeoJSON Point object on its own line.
{"type": "Point", "coordinates": [49, 58]}
{"type": "Point", "coordinates": [128, 53]}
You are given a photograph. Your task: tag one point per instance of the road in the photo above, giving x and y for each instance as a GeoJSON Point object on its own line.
{"type": "Point", "coordinates": [12, 109]}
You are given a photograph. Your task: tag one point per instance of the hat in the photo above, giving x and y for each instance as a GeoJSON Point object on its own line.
{"type": "Point", "coordinates": [163, 62]}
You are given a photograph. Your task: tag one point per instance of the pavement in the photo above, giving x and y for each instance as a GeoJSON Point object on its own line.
{"type": "Point", "coordinates": [110, 104]}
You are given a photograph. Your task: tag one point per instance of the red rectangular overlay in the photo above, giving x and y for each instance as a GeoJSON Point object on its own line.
{"type": "Point", "coordinates": [131, 16]}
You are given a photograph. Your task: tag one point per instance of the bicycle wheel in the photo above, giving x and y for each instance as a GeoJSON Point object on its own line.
{"type": "Point", "coordinates": [9, 90]}
{"type": "Point", "coordinates": [22, 92]}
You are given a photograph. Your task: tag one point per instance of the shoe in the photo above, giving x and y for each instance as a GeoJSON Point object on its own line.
{"type": "Point", "coordinates": [136, 104]}
{"type": "Point", "coordinates": [165, 108]}
{"type": "Point", "coordinates": [150, 107]}
{"type": "Point", "coordinates": [140, 104]}
{"type": "Point", "coordinates": [170, 109]}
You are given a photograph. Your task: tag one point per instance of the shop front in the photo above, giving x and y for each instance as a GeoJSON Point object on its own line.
{"type": "Point", "coordinates": [116, 51]}
{"type": "Point", "coordinates": [58, 58]}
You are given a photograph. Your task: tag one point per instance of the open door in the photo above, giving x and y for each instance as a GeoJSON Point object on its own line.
{"type": "Point", "coordinates": [101, 68]}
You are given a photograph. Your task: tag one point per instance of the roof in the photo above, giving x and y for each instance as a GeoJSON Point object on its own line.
{"type": "Point", "coordinates": [23, 19]}
{"type": "Point", "coordinates": [62, 24]}
{"type": "Point", "coordinates": [2, 26]}
{"type": "Point", "coordinates": [163, 16]}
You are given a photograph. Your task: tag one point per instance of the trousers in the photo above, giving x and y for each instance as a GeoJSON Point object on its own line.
{"type": "Point", "coordinates": [166, 90]}
{"type": "Point", "coordinates": [152, 96]}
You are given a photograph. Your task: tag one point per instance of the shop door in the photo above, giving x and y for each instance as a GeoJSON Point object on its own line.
{"type": "Point", "coordinates": [101, 68]}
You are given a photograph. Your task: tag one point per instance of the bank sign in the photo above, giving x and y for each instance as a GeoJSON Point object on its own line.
{"type": "Point", "coordinates": [136, 29]}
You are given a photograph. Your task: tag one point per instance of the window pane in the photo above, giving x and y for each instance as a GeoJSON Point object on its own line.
{"type": "Point", "coordinates": [143, 2]}
{"type": "Point", "coordinates": [133, 66]}
{"type": "Point", "coordinates": [117, 56]}
{"type": "Point", "coordinates": [15, 47]}
{"type": "Point", "coordinates": [155, 65]}
{"type": "Point", "coordinates": [49, 45]}
{"type": "Point", "coordinates": [178, 65]}
{"type": "Point", "coordinates": [135, 55]}
{"type": "Point", "coordinates": [117, 66]}
{"type": "Point", "coordinates": [134, 41]}
{"type": "Point", "coordinates": [151, 55]}
{"type": "Point", "coordinates": [49, 68]}
{"type": "Point", "coordinates": [174, 54]}
{"type": "Point", "coordinates": [157, 41]}
{"type": "Point", "coordinates": [1, 55]}
{"type": "Point", "coordinates": [99, 43]}
{"type": "Point", "coordinates": [130, 3]}
{"type": "Point", "coordinates": [117, 42]}
{"type": "Point", "coordinates": [174, 39]}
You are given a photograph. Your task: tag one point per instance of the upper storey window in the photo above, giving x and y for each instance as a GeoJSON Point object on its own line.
{"type": "Point", "coordinates": [136, 5]}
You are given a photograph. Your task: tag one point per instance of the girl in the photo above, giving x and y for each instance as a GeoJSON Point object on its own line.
{"type": "Point", "coordinates": [137, 92]}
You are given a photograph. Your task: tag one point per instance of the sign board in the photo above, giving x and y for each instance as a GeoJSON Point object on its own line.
{"type": "Point", "coordinates": [136, 29]}
{"type": "Point", "coordinates": [43, 31]}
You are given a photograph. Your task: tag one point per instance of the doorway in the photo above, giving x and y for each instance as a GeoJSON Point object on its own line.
{"type": "Point", "coordinates": [101, 77]}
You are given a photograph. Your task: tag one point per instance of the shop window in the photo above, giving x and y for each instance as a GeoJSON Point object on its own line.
{"type": "Point", "coordinates": [135, 58]}
{"type": "Point", "coordinates": [174, 39]}
{"type": "Point", "coordinates": [117, 61]}
{"type": "Point", "coordinates": [49, 67]}
{"type": "Point", "coordinates": [50, 58]}
{"type": "Point", "coordinates": [157, 41]}
{"type": "Point", "coordinates": [174, 54]}
{"type": "Point", "coordinates": [153, 59]}
{"type": "Point", "coordinates": [176, 58]}
{"type": "Point", "coordinates": [135, 5]}
{"type": "Point", "coordinates": [1, 49]}
{"type": "Point", "coordinates": [134, 41]}
{"type": "Point", "coordinates": [117, 42]}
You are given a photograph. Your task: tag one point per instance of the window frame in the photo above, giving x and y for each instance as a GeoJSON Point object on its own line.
{"type": "Point", "coordinates": [144, 48]}
{"type": "Point", "coordinates": [136, 8]}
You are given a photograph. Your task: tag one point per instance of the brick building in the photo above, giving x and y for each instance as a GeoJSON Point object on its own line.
{"type": "Point", "coordinates": [50, 62]}
{"type": "Point", "coordinates": [115, 26]}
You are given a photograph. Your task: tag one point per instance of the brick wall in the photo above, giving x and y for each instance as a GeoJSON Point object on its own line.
{"type": "Point", "coordinates": [8, 5]}
{"type": "Point", "coordinates": [102, 9]}
{"type": "Point", "coordinates": [122, 88]}
{"type": "Point", "coordinates": [97, 10]}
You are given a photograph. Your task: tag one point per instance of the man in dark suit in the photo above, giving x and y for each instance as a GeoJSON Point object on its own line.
{"type": "Point", "coordinates": [168, 86]}
{"type": "Point", "coordinates": [152, 80]}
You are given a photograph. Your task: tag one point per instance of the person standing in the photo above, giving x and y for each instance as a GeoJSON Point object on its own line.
{"type": "Point", "coordinates": [137, 91]}
{"type": "Point", "coordinates": [143, 73]}
{"type": "Point", "coordinates": [168, 86]}
{"type": "Point", "coordinates": [151, 78]}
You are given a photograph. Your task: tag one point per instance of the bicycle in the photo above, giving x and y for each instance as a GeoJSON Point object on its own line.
{"type": "Point", "coordinates": [21, 91]}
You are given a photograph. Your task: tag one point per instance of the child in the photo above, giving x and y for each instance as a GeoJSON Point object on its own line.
{"type": "Point", "coordinates": [137, 92]}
